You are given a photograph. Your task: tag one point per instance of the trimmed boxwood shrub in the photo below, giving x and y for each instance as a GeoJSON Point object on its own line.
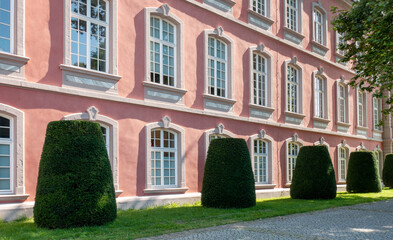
{"type": "Point", "coordinates": [363, 176]}
{"type": "Point", "coordinates": [228, 180]}
{"type": "Point", "coordinates": [75, 184]}
{"type": "Point", "coordinates": [314, 176]}
{"type": "Point", "coordinates": [387, 173]}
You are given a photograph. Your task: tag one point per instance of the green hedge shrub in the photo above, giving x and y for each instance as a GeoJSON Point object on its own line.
{"type": "Point", "coordinates": [314, 176]}
{"type": "Point", "coordinates": [363, 176]}
{"type": "Point", "coordinates": [75, 184]}
{"type": "Point", "coordinates": [387, 173]}
{"type": "Point", "coordinates": [228, 180]}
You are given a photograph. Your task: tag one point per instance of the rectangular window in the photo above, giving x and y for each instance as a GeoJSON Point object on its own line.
{"type": "Point", "coordinates": [259, 80]}
{"type": "Point", "coordinates": [259, 6]}
{"type": "Point", "coordinates": [6, 26]}
{"type": "Point", "coordinates": [162, 51]}
{"type": "Point", "coordinates": [292, 13]}
{"type": "Point", "coordinates": [293, 90]}
{"type": "Point", "coordinates": [340, 41]}
{"type": "Point", "coordinates": [89, 34]}
{"type": "Point", "coordinates": [319, 98]}
{"type": "Point", "coordinates": [217, 67]}
{"type": "Point", "coordinates": [260, 161]}
{"type": "Point", "coordinates": [318, 27]}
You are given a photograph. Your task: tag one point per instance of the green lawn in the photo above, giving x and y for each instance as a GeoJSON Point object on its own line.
{"type": "Point", "coordinates": [155, 221]}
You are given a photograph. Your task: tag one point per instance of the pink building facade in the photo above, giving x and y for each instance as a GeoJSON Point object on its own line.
{"type": "Point", "coordinates": [163, 78]}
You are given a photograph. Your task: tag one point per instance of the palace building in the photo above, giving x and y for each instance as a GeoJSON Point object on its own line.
{"type": "Point", "coordinates": [165, 77]}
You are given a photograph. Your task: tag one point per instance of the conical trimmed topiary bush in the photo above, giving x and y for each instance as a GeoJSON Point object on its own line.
{"type": "Point", "coordinates": [387, 173]}
{"type": "Point", "coordinates": [75, 184]}
{"type": "Point", "coordinates": [314, 176]}
{"type": "Point", "coordinates": [228, 180]}
{"type": "Point", "coordinates": [363, 175]}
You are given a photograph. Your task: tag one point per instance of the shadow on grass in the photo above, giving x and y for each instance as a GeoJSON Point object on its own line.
{"type": "Point", "coordinates": [173, 218]}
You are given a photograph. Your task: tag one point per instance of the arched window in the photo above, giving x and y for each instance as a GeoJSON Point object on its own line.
{"type": "Point", "coordinates": [11, 153]}
{"type": "Point", "coordinates": [342, 162]}
{"type": "Point", "coordinates": [6, 154]}
{"type": "Point", "coordinates": [163, 158]}
{"type": "Point", "coordinates": [293, 146]}
{"type": "Point", "coordinates": [165, 166]}
{"type": "Point", "coordinates": [215, 133]}
{"type": "Point", "coordinates": [261, 151]}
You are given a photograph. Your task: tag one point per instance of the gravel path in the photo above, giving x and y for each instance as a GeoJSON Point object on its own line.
{"type": "Point", "coordinates": [364, 221]}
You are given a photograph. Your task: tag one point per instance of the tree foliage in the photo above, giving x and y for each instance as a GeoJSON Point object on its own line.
{"type": "Point", "coordinates": [368, 43]}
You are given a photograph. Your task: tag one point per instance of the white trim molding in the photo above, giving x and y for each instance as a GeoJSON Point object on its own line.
{"type": "Point", "coordinates": [322, 142]}
{"type": "Point", "coordinates": [220, 131]}
{"type": "Point", "coordinates": [12, 64]}
{"type": "Point", "coordinates": [294, 35]}
{"type": "Point", "coordinates": [361, 120]}
{"type": "Point", "coordinates": [321, 121]}
{"type": "Point", "coordinates": [361, 147]}
{"type": "Point", "coordinates": [290, 116]}
{"type": "Point", "coordinates": [17, 118]}
{"type": "Point", "coordinates": [261, 18]}
{"type": "Point", "coordinates": [346, 147]}
{"type": "Point", "coordinates": [92, 114]}
{"type": "Point", "coordinates": [78, 77]}
{"type": "Point", "coordinates": [226, 6]}
{"type": "Point", "coordinates": [261, 135]}
{"type": "Point", "coordinates": [213, 102]}
{"type": "Point", "coordinates": [320, 47]}
{"type": "Point", "coordinates": [342, 126]}
{"type": "Point", "coordinates": [166, 124]}
{"type": "Point", "coordinates": [294, 139]}
{"type": "Point", "coordinates": [266, 110]}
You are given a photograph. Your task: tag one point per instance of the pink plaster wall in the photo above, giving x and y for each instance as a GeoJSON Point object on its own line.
{"type": "Point", "coordinates": [44, 47]}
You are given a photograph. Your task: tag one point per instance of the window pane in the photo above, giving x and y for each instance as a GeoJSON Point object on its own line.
{"type": "Point", "coordinates": [4, 161]}
{"type": "Point", "coordinates": [4, 149]}
{"type": "Point", "coordinates": [4, 184]}
{"type": "Point", "coordinates": [5, 4]}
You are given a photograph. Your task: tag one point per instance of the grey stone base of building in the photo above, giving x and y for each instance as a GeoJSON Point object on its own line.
{"type": "Point", "coordinates": [13, 211]}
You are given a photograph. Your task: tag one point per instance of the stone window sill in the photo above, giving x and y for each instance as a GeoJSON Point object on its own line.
{"type": "Point", "coordinates": [264, 186]}
{"type": "Point", "coordinates": [165, 190]}
{"type": "Point", "coordinates": [14, 58]}
{"type": "Point", "coordinates": [293, 114]}
{"type": "Point", "coordinates": [11, 63]}
{"type": "Point", "coordinates": [293, 36]}
{"type": "Point", "coordinates": [218, 103]}
{"type": "Point", "coordinates": [324, 120]}
{"type": "Point", "coordinates": [9, 198]}
{"type": "Point", "coordinates": [259, 20]}
{"type": "Point", "coordinates": [321, 46]}
{"type": "Point", "coordinates": [264, 108]}
{"type": "Point", "coordinates": [362, 128]}
{"type": "Point", "coordinates": [163, 93]}
{"type": "Point", "coordinates": [89, 79]}
{"type": "Point", "coordinates": [343, 124]}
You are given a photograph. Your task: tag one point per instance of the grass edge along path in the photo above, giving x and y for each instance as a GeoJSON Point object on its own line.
{"type": "Point", "coordinates": [132, 224]}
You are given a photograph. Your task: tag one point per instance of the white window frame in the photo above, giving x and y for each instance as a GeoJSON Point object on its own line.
{"type": "Point", "coordinates": [289, 171]}
{"type": "Point", "coordinates": [10, 142]}
{"type": "Point", "coordinates": [13, 62]}
{"type": "Point", "coordinates": [321, 97]}
{"type": "Point", "coordinates": [267, 72]}
{"type": "Point", "coordinates": [345, 99]}
{"type": "Point", "coordinates": [361, 109]}
{"type": "Point", "coordinates": [216, 62]}
{"type": "Point", "coordinates": [17, 161]}
{"type": "Point", "coordinates": [162, 149]}
{"type": "Point", "coordinates": [180, 186]}
{"type": "Point", "coordinates": [92, 114]}
{"type": "Point", "coordinates": [296, 26]}
{"type": "Point", "coordinates": [339, 40]}
{"type": "Point", "coordinates": [262, 136]}
{"type": "Point", "coordinates": [346, 148]}
{"type": "Point", "coordinates": [263, 10]}
{"type": "Point", "coordinates": [321, 40]}
{"type": "Point", "coordinates": [221, 36]}
{"type": "Point", "coordinates": [377, 114]}
{"type": "Point", "coordinates": [85, 78]}
{"type": "Point", "coordinates": [165, 14]}
{"type": "Point", "coordinates": [294, 64]}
